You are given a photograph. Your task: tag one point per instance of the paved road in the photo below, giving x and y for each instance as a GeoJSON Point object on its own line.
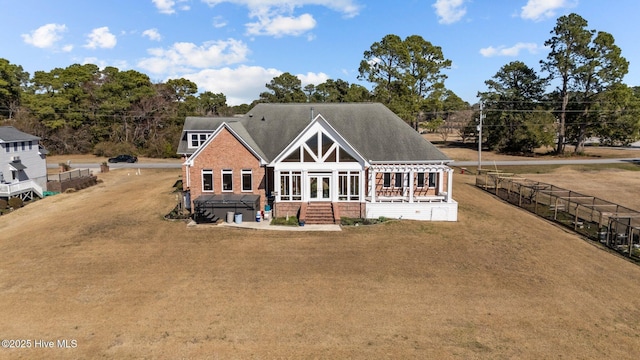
{"type": "Point", "coordinates": [486, 163]}
{"type": "Point", "coordinates": [176, 165]}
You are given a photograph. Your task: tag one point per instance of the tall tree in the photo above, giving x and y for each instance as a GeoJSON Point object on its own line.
{"type": "Point", "coordinates": [404, 72]}
{"type": "Point", "coordinates": [618, 109]}
{"type": "Point", "coordinates": [516, 121]}
{"type": "Point", "coordinates": [283, 89]}
{"type": "Point", "coordinates": [13, 79]}
{"type": "Point", "coordinates": [210, 104]}
{"type": "Point", "coordinates": [586, 62]}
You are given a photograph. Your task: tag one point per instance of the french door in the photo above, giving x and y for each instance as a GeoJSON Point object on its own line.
{"type": "Point", "coordinates": [319, 187]}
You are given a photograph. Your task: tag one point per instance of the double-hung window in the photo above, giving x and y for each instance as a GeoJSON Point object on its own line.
{"type": "Point", "coordinates": [247, 179]}
{"type": "Point", "coordinates": [433, 179]}
{"type": "Point", "coordinates": [207, 180]}
{"type": "Point", "coordinates": [227, 180]}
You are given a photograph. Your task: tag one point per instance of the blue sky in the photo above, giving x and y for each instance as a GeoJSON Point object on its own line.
{"type": "Point", "coordinates": [237, 46]}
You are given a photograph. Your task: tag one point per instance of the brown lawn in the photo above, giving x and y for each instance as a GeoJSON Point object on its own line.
{"type": "Point", "coordinates": [101, 266]}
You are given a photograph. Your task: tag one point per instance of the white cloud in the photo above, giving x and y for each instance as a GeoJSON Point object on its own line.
{"type": "Point", "coordinates": [152, 34]}
{"type": "Point", "coordinates": [168, 6]}
{"type": "Point", "coordinates": [347, 7]}
{"type": "Point", "coordinates": [46, 36]}
{"type": "Point", "coordinates": [120, 64]}
{"type": "Point", "coordinates": [276, 17]}
{"type": "Point", "coordinates": [184, 57]}
{"type": "Point", "coordinates": [241, 85]}
{"type": "Point", "coordinates": [312, 78]}
{"type": "Point", "coordinates": [509, 51]}
{"type": "Point", "coordinates": [450, 11]}
{"type": "Point", "coordinates": [67, 48]}
{"type": "Point", "coordinates": [278, 26]}
{"type": "Point", "coordinates": [101, 38]}
{"type": "Point", "coordinates": [219, 22]}
{"type": "Point", "coordinates": [544, 9]}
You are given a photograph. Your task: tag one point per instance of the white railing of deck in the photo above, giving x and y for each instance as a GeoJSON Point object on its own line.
{"type": "Point", "coordinates": [9, 190]}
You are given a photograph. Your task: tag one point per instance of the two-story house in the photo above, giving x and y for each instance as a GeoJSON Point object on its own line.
{"type": "Point", "coordinates": [355, 160]}
{"type": "Point", "coordinates": [23, 166]}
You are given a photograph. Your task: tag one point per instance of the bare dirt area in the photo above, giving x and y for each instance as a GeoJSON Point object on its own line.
{"type": "Point", "coordinates": [101, 266]}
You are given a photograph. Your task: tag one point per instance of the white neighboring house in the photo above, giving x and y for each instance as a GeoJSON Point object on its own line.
{"type": "Point", "coordinates": [23, 165]}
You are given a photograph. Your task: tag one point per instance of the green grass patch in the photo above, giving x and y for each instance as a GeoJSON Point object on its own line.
{"type": "Point", "coordinates": [290, 221]}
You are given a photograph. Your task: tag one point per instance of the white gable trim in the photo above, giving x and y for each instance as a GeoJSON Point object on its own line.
{"type": "Point", "coordinates": [215, 133]}
{"type": "Point", "coordinates": [321, 124]}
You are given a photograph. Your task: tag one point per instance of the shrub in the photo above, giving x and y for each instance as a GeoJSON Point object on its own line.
{"type": "Point", "coordinates": [15, 203]}
{"type": "Point", "coordinates": [3, 204]}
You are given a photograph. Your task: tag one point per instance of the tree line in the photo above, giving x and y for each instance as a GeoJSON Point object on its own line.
{"type": "Point", "coordinates": [83, 109]}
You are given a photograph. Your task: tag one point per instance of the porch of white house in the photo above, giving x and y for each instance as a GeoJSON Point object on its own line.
{"type": "Point", "coordinates": [25, 190]}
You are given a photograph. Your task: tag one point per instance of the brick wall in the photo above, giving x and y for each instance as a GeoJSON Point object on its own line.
{"type": "Point", "coordinates": [283, 209]}
{"type": "Point", "coordinates": [226, 152]}
{"type": "Point", "coordinates": [351, 209]}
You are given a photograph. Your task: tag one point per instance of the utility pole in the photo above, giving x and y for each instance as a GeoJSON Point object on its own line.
{"type": "Point", "coordinates": [480, 137]}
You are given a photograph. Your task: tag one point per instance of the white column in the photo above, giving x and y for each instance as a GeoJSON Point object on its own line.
{"type": "Point", "coordinates": [440, 181]}
{"type": "Point", "coordinates": [411, 185]}
{"type": "Point", "coordinates": [372, 184]}
{"type": "Point", "coordinates": [449, 185]}
{"type": "Point", "coordinates": [334, 185]}
{"type": "Point", "coordinates": [361, 190]}
{"type": "Point", "coordinates": [276, 185]}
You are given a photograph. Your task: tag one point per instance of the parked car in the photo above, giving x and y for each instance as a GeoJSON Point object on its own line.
{"type": "Point", "coordinates": [123, 158]}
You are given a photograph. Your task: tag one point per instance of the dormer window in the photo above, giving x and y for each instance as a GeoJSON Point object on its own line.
{"type": "Point", "coordinates": [197, 139]}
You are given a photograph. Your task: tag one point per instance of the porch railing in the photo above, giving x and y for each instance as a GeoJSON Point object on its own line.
{"type": "Point", "coordinates": [8, 190]}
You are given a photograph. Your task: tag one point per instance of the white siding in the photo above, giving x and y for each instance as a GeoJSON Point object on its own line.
{"type": "Point", "coordinates": [414, 211]}
{"type": "Point", "coordinates": [36, 164]}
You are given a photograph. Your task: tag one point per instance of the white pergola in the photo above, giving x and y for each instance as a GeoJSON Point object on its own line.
{"type": "Point", "coordinates": [411, 169]}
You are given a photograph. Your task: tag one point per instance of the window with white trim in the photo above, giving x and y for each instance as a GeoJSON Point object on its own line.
{"type": "Point", "coordinates": [433, 179]}
{"type": "Point", "coordinates": [247, 180]}
{"type": "Point", "coordinates": [399, 177]}
{"type": "Point", "coordinates": [386, 180]}
{"type": "Point", "coordinates": [227, 180]}
{"type": "Point", "coordinates": [291, 186]}
{"type": "Point", "coordinates": [420, 180]}
{"type": "Point", "coordinates": [197, 139]}
{"type": "Point", "coordinates": [349, 185]}
{"type": "Point", "coordinates": [207, 180]}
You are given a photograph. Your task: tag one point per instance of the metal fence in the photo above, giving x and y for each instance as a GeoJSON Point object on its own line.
{"type": "Point", "coordinates": [613, 225]}
{"type": "Point", "coordinates": [69, 175]}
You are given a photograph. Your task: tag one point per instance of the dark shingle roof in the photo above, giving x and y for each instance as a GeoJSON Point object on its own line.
{"type": "Point", "coordinates": [11, 134]}
{"type": "Point", "coordinates": [371, 128]}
